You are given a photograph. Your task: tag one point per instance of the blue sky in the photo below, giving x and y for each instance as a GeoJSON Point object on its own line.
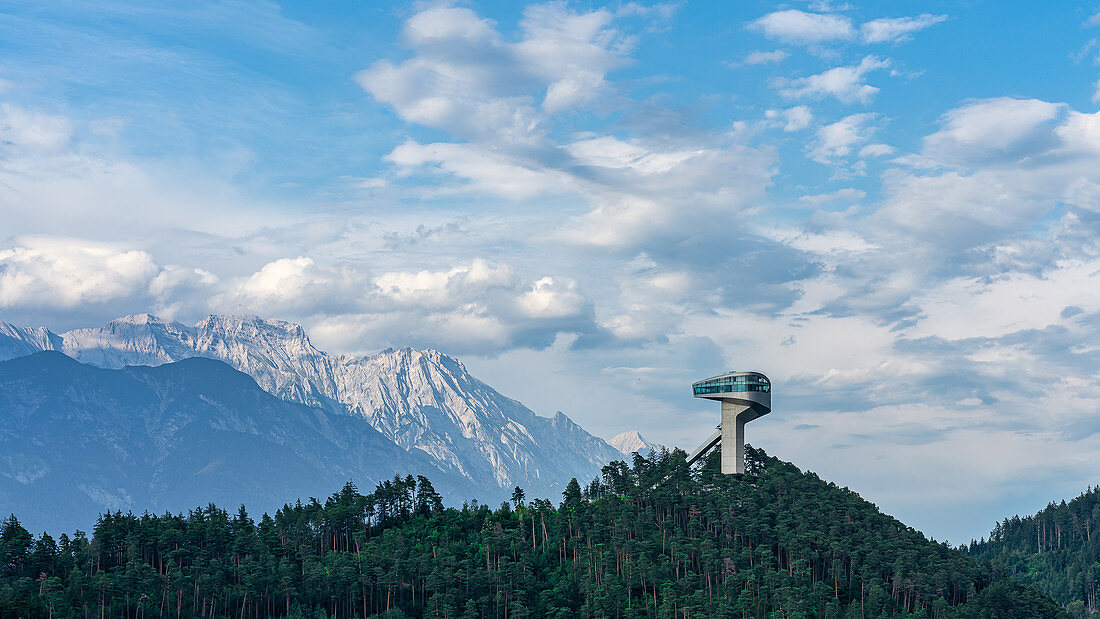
{"type": "Point", "coordinates": [891, 208]}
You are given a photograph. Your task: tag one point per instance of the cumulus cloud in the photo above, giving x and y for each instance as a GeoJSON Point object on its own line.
{"type": "Point", "coordinates": [796, 26]}
{"type": "Point", "coordinates": [552, 298]}
{"type": "Point", "coordinates": [443, 288]}
{"type": "Point", "coordinates": [991, 129]}
{"type": "Point", "coordinates": [465, 78]}
{"type": "Point", "coordinates": [794, 118]}
{"type": "Point", "coordinates": [847, 84]}
{"type": "Point", "coordinates": [281, 280]}
{"type": "Point", "coordinates": [474, 307]}
{"type": "Point", "coordinates": [58, 272]}
{"type": "Point", "coordinates": [837, 141]}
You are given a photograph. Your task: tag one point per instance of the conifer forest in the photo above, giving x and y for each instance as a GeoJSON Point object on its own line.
{"type": "Point", "coordinates": [653, 538]}
{"type": "Point", "coordinates": [1052, 551]}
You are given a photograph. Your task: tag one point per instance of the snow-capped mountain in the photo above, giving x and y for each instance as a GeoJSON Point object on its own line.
{"type": "Point", "coordinates": [630, 442]}
{"type": "Point", "coordinates": [420, 399]}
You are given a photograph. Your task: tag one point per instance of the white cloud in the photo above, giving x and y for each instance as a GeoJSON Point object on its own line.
{"type": "Point", "coordinates": [571, 51]}
{"type": "Point", "coordinates": [796, 26]}
{"type": "Point", "coordinates": [993, 170]}
{"type": "Point", "coordinates": [846, 194]}
{"type": "Point", "coordinates": [847, 84]}
{"type": "Point", "coordinates": [552, 298]}
{"type": "Point", "coordinates": [445, 25]}
{"type": "Point", "coordinates": [66, 273]}
{"type": "Point", "coordinates": [443, 288]}
{"type": "Point", "coordinates": [177, 290]}
{"type": "Point", "coordinates": [876, 150]}
{"type": "Point", "coordinates": [794, 118]}
{"type": "Point", "coordinates": [897, 28]}
{"type": "Point", "coordinates": [837, 141]}
{"type": "Point", "coordinates": [466, 79]}
{"type": "Point", "coordinates": [953, 210]}
{"type": "Point", "coordinates": [993, 129]}
{"type": "Point", "coordinates": [828, 243]}
{"type": "Point", "coordinates": [486, 171]}
{"type": "Point", "coordinates": [280, 280]}
{"type": "Point", "coordinates": [661, 11]}
{"type": "Point", "coordinates": [970, 307]}
{"type": "Point", "coordinates": [32, 130]}
{"type": "Point", "coordinates": [475, 306]}
{"type": "Point", "coordinates": [762, 57]}
{"type": "Point", "coordinates": [646, 192]}
{"type": "Point", "coordinates": [803, 28]}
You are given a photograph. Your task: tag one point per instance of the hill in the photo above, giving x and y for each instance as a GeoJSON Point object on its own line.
{"type": "Point", "coordinates": [421, 400]}
{"type": "Point", "coordinates": [77, 440]}
{"type": "Point", "coordinates": [1052, 550]}
{"type": "Point", "coordinates": [653, 539]}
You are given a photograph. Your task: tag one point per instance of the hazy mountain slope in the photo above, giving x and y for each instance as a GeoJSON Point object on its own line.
{"type": "Point", "coordinates": [18, 341]}
{"type": "Point", "coordinates": [422, 400]}
{"type": "Point", "coordinates": [76, 440]}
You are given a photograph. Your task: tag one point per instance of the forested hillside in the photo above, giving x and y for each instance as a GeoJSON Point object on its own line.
{"type": "Point", "coordinates": [653, 539]}
{"type": "Point", "coordinates": [1052, 550]}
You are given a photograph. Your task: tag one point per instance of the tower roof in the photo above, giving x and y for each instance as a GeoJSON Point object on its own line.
{"type": "Point", "coordinates": [732, 382]}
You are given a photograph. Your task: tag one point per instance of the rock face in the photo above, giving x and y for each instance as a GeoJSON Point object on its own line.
{"type": "Point", "coordinates": [422, 400]}
{"type": "Point", "coordinates": [77, 440]}
{"type": "Point", "coordinates": [630, 442]}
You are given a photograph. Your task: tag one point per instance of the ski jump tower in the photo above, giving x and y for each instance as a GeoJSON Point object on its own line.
{"type": "Point", "coordinates": [744, 396]}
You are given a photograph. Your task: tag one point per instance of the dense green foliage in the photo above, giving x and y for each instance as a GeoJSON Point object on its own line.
{"type": "Point", "coordinates": [654, 539]}
{"type": "Point", "coordinates": [1052, 550]}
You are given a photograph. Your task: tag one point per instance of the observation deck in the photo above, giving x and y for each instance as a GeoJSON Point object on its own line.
{"type": "Point", "coordinates": [748, 387]}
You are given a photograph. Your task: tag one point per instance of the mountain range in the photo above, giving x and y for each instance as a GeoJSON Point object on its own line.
{"type": "Point", "coordinates": [424, 402]}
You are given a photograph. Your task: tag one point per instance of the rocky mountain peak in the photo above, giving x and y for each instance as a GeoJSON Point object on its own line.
{"type": "Point", "coordinates": [632, 441]}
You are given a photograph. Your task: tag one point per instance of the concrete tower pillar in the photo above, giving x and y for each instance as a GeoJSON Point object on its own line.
{"type": "Point", "coordinates": [745, 396]}
{"type": "Point", "coordinates": [734, 418]}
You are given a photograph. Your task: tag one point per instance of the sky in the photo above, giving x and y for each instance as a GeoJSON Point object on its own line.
{"type": "Point", "coordinates": [890, 208]}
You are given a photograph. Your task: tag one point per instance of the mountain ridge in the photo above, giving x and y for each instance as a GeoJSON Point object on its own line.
{"type": "Point", "coordinates": [421, 400]}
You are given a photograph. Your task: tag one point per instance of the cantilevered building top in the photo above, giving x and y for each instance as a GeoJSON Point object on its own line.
{"type": "Point", "coordinates": [731, 382]}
